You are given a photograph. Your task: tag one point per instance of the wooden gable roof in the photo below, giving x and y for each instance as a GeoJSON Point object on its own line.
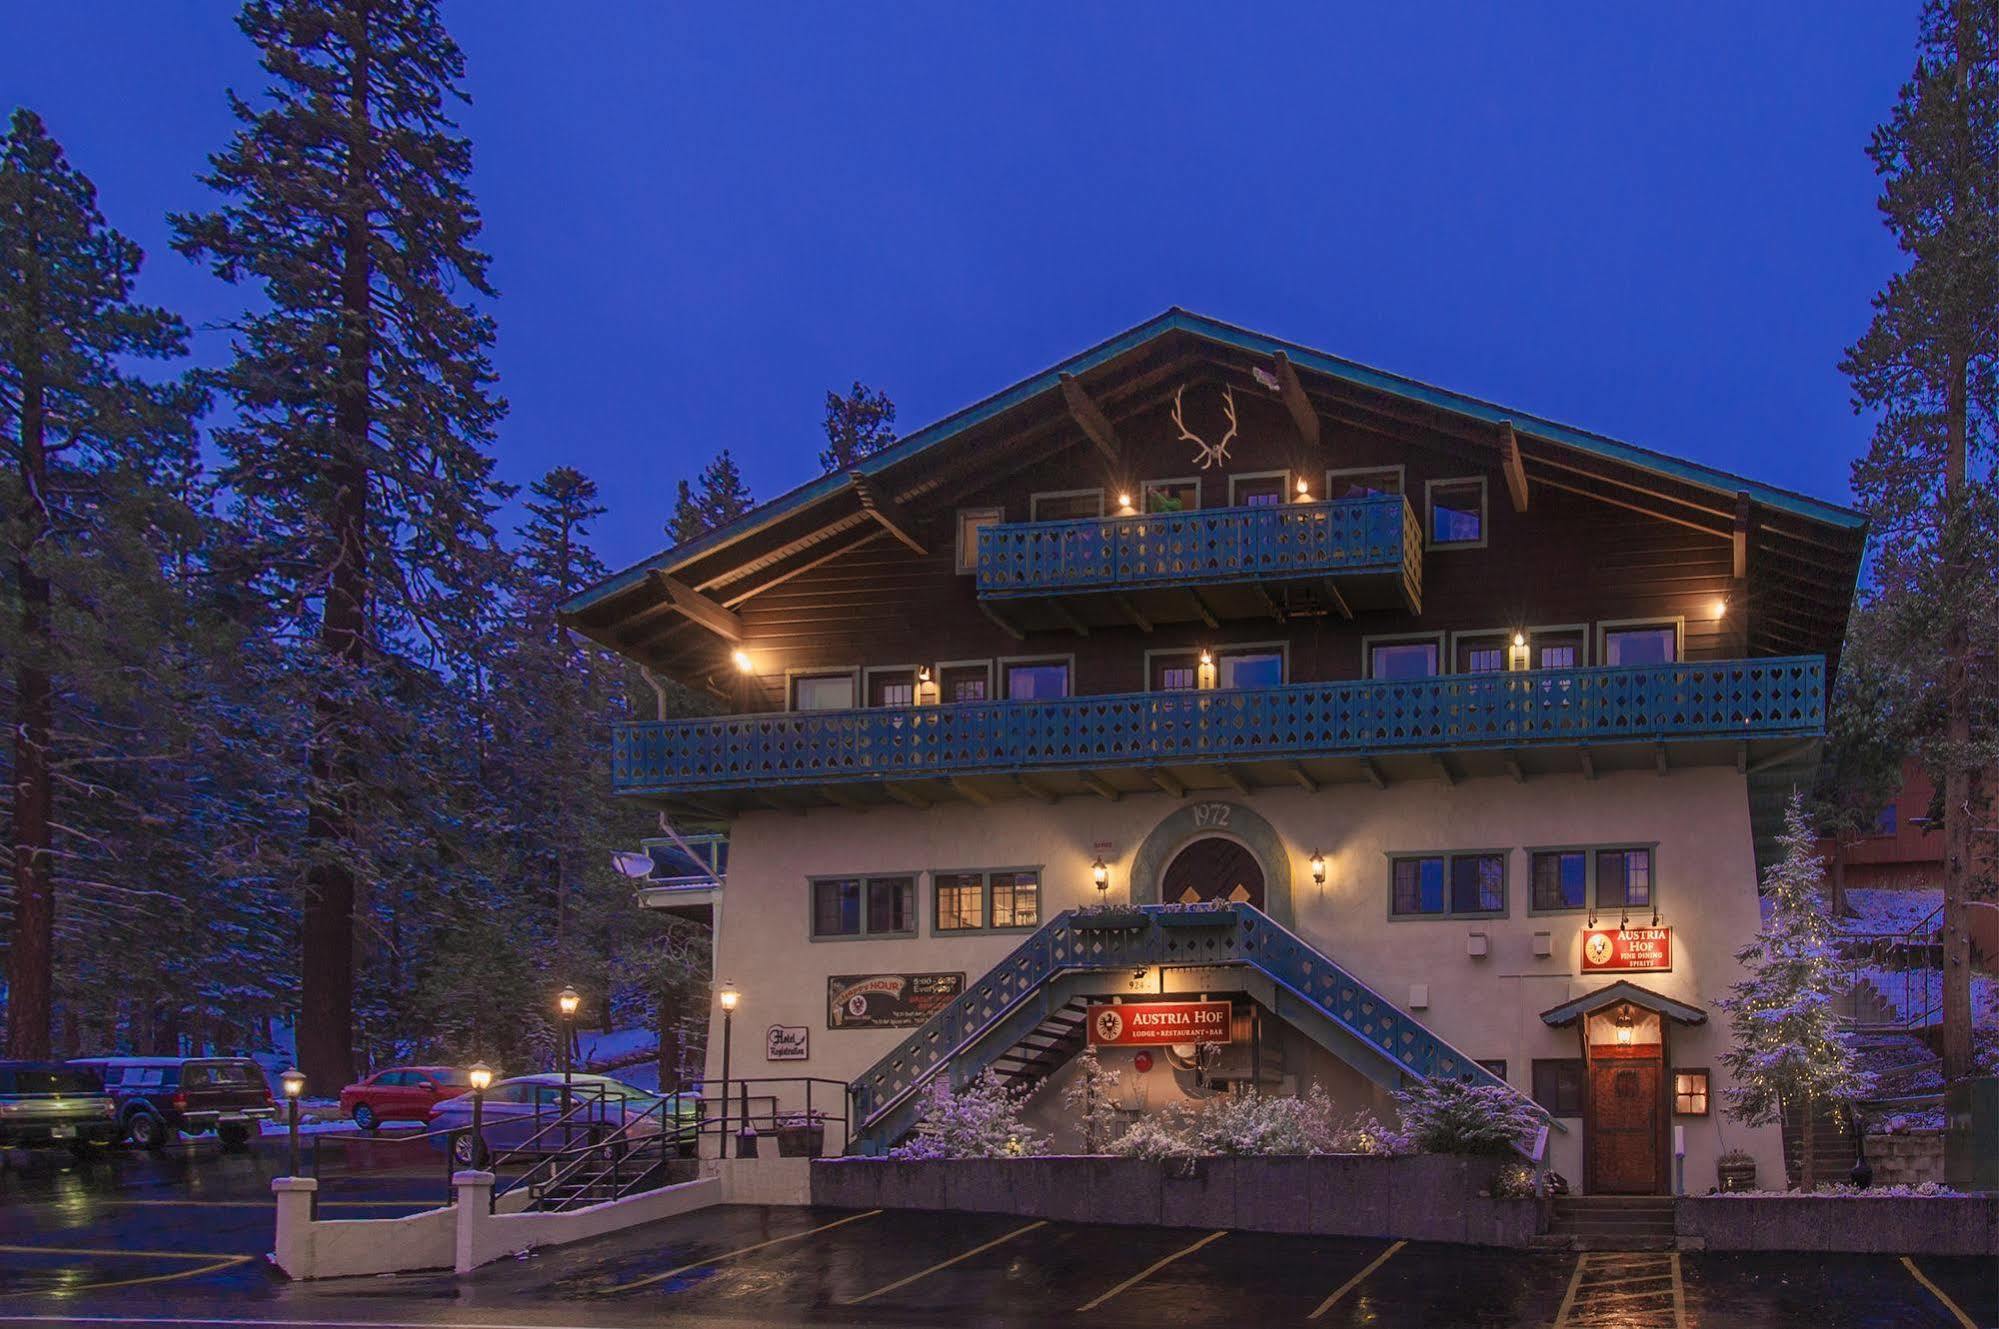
{"type": "Point", "coordinates": [1804, 553]}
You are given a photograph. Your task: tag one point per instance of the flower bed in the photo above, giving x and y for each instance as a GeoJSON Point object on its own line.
{"type": "Point", "coordinates": [1417, 1197]}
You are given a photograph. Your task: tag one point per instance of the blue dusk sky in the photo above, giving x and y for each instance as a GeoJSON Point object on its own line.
{"type": "Point", "coordinates": [1655, 222]}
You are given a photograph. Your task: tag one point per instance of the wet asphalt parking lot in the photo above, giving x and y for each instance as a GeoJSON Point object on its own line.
{"type": "Point", "coordinates": [180, 1239]}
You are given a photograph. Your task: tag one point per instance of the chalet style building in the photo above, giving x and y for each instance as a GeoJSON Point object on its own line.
{"type": "Point", "coordinates": [1260, 718]}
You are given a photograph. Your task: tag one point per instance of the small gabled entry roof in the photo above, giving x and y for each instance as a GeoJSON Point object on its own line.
{"type": "Point", "coordinates": [1623, 990]}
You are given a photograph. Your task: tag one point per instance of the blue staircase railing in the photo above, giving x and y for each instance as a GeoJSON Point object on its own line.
{"type": "Point", "coordinates": [986, 1019]}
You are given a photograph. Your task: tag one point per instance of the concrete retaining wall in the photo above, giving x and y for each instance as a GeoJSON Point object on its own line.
{"type": "Point", "coordinates": [1907, 1158]}
{"type": "Point", "coordinates": [1940, 1225]}
{"type": "Point", "coordinates": [1424, 1197]}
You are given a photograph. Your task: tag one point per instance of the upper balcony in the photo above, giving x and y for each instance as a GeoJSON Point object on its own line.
{"type": "Point", "coordinates": [1750, 713]}
{"type": "Point", "coordinates": [1210, 563]}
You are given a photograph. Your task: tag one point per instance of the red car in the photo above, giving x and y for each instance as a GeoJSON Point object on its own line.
{"type": "Point", "coordinates": [402, 1093]}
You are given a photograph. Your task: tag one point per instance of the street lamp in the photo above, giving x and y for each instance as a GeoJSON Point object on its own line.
{"type": "Point", "coordinates": [293, 1083]}
{"type": "Point", "coordinates": [566, 1002]}
{"type": "Point", "coordinates": [481, 1076]}
{"type": "Point", "coordinates": [728, 997]}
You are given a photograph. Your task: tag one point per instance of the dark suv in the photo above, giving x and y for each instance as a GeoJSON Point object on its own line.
{"type": "Point", "coordinates": [161, 1097]}
{"type": "Point", "coordinates": [45, 1104]}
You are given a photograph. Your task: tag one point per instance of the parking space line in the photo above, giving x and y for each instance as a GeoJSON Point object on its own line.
{"type": "Point", "coordinates": [1569, 1297]}
{"type": "Point", "coordinates": [228, 1262]}
{"type": "Point", "coordinates": [717, 1259]}
{"type": "Point", "coordinates": [1149, 1271]}
{"type": "Point", "coordinates": [946, 1264]}
{"type": "Point", "coordinates": [1355, 1281]}
{"type": "Point", "coordinates": [1939, 1294]}
{"type": "Point", "coordinates": [96, 1251]}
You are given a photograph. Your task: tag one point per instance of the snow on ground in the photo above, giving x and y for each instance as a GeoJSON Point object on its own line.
{"type": "Point", "coordinates": [1889, 911]}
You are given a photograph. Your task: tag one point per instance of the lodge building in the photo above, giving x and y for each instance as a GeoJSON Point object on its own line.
{"type": "Point", "coordinates": [1389, 732]}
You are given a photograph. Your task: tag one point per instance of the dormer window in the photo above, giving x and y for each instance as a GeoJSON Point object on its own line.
{"type": "Point", "coordinates": [1067, 505]}
{"type": "Point", "coordinates": [1457, 513]}
{"type": "Point", "coordinates": [1367, 482]}
{"type": "Point", "coordinates": [1641, 643]}
{"type": "Point", "coordinates": [1162, 496]}
{"type": "Point", "coordinates": [1268, 489]}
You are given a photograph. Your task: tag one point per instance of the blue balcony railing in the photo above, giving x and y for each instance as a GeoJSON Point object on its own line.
{"type": "Point", "coordinates": [1377, 535]}
{"type": "Point", "coordinates": [1731, 699]}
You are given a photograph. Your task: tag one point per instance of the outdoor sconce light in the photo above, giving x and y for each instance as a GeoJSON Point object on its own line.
{"type": "Point", "coordinates": [1100, 877]}
{"type": "Point", "coordinates": [1206, 677]}
{"type": "Point", "coordinates": [1624, 1025]}
{"type": "Point", "coordinates": [480, 1075]}
{"type": "Point", "coordinates": [926, 687]}
{"type": "Point", "coordinates": [1124, 507]}
{"type": "Point", "coordinates": [744, 665]}
{"type": "Point", "coordinates": [1304, 490]}
{"type": "Point", "coordinates": [1516, 658]}
{"type": "Point", "coordinates": [1721, 607]}
{"type": "Point", "coordinates": [1318, 868]}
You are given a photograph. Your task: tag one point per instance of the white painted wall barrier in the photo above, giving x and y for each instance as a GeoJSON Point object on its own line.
{"type": "Point", "coordinates": [467, 1234]}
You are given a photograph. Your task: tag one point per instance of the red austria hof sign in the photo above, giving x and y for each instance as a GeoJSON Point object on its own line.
{"type": "Point", "coordinates": [1139, 1023]}
{"type": "Point", "coordinates": [1631, 950]}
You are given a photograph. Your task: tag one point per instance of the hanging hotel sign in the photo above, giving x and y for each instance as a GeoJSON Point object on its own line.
{"type": "Point", "coordinates": [1627, 950]}
{"type": "Point", "coordinates": [787, 1042]}
{"type": "Point", "coordinates": [1153, 1022]}
{"type": "Point", "coordinates": [888, 1001]}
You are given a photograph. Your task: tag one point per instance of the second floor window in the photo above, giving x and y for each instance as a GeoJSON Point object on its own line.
{"type": "Point", "coordinates": [1448, 885]}
{"type": "Point", "coordinates": [864, 907]}
{"type": "Point", "coordinates": [970, 901]}
{"type": "Point", "coordinates": [1649, 644]}
{"type": "Point", "coordinates": [1402, 659]}
{"type": "Point", "coordinates": [892, 687]}
{"type": "Point", "coordinates": [1623, 879]}
{"type": "Point", "coordinates": [1037, 680]}
{"type": "Point", "coordinates": [1561, 879]}
{"type": "Point", "coordinates": [1178, 672]}
{"type": "Point", "coordinates": [822, 692]}
{"type": "Point", "coordinates": [964, 683]}
{"type": "Point", "coordinates": [1251, 668]}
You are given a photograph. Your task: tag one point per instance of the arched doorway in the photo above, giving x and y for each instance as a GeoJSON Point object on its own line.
{"type": "Point", "coordinates": [1213, 868]}
{"type": "Point", "coordinates": [1267, 875]}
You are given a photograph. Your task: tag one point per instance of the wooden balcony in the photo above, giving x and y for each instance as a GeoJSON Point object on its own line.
{"type": "Point", "coordinates": [1754, 714]}
{"type": "Point", "coordinates": [1208, 564]}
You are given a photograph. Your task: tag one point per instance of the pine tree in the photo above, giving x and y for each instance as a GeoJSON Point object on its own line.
{"type": "Point", "coordinates": [1790, 1048]}
{"type": "Point", "coordinates": [363, 398]}
{"type": "Point", "coordinates": [857, 425]}
{"type": "Point", "coordinates": [1928, 369]}
{"type": "Point", "coordinates": [718, 497]}
{"type": "Point", "coordinates": [88, 448]}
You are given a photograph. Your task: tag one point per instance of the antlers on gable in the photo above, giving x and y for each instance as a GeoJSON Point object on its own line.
{"type": "Point", "coordinates": [1210, 454]}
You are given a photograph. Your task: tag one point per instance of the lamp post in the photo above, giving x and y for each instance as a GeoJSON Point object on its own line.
{"type": "Point", "coordinates": [293, 1083]}
{"type": "Point", "coordinates": [481, 1076]}
{"type": "Point", "coordinates": [728, 997]}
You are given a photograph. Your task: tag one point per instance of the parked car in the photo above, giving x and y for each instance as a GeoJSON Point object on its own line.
{"type": "Point", "coordinates": [401, 1093]}
{"type": "Point", "coordinates": [520, 1116]}
{"type": "Point", "coordinates": [161, 1098]}
{"type": "Point", "coordinates": [45, 1104]}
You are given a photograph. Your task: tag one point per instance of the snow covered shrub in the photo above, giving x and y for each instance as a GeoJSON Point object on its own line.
{"type": "Point", "coordinates": [1513, 1181]}
{"type": "Point", "coordinates": [1092, 1096]}
{"type": "Point", "coordinates": [1452, 1117]}
{"type": "Point", "coordinates": [1363, 1134]}
{"type": "Point", "coordinates": [1157, 1135]}
{"type": "Point", "coordinates": [982, 1120]}
{"type": "Point", "coordinates": [1255, 1125]}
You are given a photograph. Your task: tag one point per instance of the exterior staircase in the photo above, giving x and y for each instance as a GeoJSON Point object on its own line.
{"type": "Point", "coordinates": [1023, 1016]}
{"type": "Point", "coordinates": [1611, 1223]}
{"type": "Point", "coordinates": [1832, 1140]}
{"type": "Point", "coordinates": [1047, 1046]}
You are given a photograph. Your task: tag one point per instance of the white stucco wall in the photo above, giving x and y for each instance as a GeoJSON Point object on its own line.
{"type": "Point", "coordinates": [1489, 1007]}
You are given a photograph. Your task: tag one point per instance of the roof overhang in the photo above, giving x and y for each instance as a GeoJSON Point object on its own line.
{"type": "Point", "coordinates": [1617, 993]}
{"type": "Point", "coordinates": [1813, 546]}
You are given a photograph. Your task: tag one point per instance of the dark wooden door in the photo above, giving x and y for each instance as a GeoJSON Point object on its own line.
{"type": "Point", "coordinates": [1624, 1126]}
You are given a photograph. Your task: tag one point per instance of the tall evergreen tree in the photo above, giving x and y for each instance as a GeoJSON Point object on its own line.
{"type": "Point", "coordinates": [716, 498]}
{"type": "Point", "coordinates": [363, 394]}
{"type": "Point", "coordinates": [1928, 369]}
{"type": "Point", "coordinates": [1790, 1045]}
{"type": "Point", "coordinates": [857, 425]}
{"type": "Point", "coordinates": [92, 453]}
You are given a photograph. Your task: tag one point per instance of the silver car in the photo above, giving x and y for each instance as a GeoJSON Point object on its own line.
{"type": "Point", "coordinates": [521, 1116]}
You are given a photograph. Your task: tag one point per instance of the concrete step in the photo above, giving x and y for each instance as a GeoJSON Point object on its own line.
{"type": "Point", "coordinates": [1613, 1202]}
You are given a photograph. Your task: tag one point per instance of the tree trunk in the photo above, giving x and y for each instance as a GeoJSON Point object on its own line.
{"type": "Point", "coordinates": [1957, 809]}
{"type": "Point", "coordinates": [1838, 901]}
{"type": "Point", "coordinates": [326, 986]}
{"type": "Point", "coordinates": [31, 955]}
{"type": "Point", "coordinates": [1808, 1152]}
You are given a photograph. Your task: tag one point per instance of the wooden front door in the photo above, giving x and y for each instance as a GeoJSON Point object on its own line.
{"type": "Point", "coordinates": [1624, 1124]}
